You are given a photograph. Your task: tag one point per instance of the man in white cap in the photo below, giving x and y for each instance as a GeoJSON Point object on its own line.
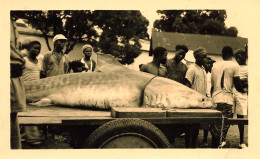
{"type": "Point", "coordinates": [196, 78]}
{"type": "Point", "coordinates": [55, 62]}
{"type": "Point", "coordinates": [89, 64]}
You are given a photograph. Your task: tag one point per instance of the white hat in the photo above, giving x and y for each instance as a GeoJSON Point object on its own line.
{"type": "Point", "coordinates": [59, 37]}
{"type": "Point", "coordinates": [86, 46]}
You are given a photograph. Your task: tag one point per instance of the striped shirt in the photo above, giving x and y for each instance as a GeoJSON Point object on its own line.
{"type": "Point", "coordinates": [198, 78]}
{"type": "Point", "coordinates": [243, 72]}
{"type": "Point", "coordinates": [32, 70]}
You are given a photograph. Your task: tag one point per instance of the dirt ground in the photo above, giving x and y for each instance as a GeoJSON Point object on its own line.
{"type": "Point", "coordinates": [59, 142]}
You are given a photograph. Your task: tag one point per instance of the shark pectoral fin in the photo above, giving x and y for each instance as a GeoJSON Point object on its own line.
{"type": "Point", "coordinates": [44, 102]}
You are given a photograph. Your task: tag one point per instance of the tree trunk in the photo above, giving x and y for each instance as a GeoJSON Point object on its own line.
{"type": "Point", "coordinates": [69, 47]}
{"type": "Point", "coordinates": [47, 42]}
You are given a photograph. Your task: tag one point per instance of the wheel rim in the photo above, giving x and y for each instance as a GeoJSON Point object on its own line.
{"type": "Point", "coordinates": [128, 140]}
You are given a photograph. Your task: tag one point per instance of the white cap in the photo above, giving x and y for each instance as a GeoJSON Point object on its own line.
{"type": "Point", "coordinates": [59, 37]}
{"type": "Point", "coordinates": [86, 46]}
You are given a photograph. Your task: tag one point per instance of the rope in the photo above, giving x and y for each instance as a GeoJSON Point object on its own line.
{"type": "Point", "coordinates": [221, 132]}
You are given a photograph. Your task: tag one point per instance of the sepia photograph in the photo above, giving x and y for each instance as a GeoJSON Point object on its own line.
{"type": "Point", "coordinates": [162, 78]}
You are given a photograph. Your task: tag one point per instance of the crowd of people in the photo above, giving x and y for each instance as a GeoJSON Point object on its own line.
{"type": "Point", "coordinates": [28, 65]}
{"type": "Point", "coordinates": [225, 81]}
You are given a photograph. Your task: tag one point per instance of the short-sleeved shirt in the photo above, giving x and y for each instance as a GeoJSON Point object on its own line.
{"type": "Point", "coordinates": [32, 70]}
{"type": "Point", "coordinates": [223, 72]}
{"type": "Point", "coordinates": [176, 71]}
{"type": "Point", "coordinates": [198, 78]}
{"type": "Point", "coordinates": [52, 65]}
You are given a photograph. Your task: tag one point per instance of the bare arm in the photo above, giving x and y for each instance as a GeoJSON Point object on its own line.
{"type": "Point", "coordinates": [238, 84]}
{"type": "Point", "coordinates": [187, 83]}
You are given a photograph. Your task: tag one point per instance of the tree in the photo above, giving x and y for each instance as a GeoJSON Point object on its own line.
{"type": "Point", "coordinates": [73, 24]}
{"type": "Point", "coordinates": [121, 33]}
{"type": "Point", "coordinates": [232, 31]}
{"type": "Point", "coordinates": [193, 21]}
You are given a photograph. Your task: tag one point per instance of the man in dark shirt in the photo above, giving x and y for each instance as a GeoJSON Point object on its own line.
{"type": "Point", "coordinates": [176, 70]}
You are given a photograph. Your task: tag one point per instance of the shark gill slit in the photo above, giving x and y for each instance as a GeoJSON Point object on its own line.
{"type": "Point", "coordinates": [142, 94]}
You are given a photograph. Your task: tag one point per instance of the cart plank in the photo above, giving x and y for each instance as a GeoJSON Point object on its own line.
{"type": "Point", "coordinates": [193, 113]}
{"type": "Point", "coordinates": [57, 111]}
{"type": "Point", "coordinates": [119, 112]}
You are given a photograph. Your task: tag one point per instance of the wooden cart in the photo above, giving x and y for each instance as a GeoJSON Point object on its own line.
{"type": "Point", "coordinates": [121, 127]}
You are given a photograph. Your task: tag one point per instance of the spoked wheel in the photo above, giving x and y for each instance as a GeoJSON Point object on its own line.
{"type": "Point", "coordinates": [127, 133]}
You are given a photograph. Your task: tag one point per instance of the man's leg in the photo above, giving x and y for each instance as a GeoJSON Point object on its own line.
{"type": "Point", "coordinates": [227, 112]}
{"type": "Point", "coordinates": [215, 130]}
{"type": "Point", "coordinates": [15, 132]}
{"type": "Point", "coordinates": [194, 135]}
{"type": "Point", "coordinates": [241, 130]}
{"type": "Point", "coordinates": [205, 135]}
{"type": "Point", "coordinates": [188, 132]}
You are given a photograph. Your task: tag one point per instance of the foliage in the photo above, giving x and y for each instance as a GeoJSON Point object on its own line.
{"type": "Point", "coordinates": [194, 21]}
{"type": "Point", "coordinates": [121, 33]}
{"type": "Point", "coordinates": [232, 31]}
{"type": "Point", "coordinates": [72, 24]}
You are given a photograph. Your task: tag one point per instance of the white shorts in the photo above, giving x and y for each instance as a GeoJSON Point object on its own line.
{"type": "Point", "coordinates": [240, 106]}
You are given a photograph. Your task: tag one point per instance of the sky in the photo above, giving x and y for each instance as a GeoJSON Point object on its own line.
{"type": "Point", "coordinates": [235, 17]}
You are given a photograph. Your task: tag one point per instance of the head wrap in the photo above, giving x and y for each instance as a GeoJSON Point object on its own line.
{"type": "Point", "coordinates": [198, 51]}
{"type": "Point", "coordinates": [86, 46]}
{"type": "Point", "coordinates": [59, 37]}
{"type": "Point", "coordinates": [26, 42]}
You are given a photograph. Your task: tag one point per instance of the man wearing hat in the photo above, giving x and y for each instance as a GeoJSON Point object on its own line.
{"type": "Point", "coordinates": [89, 64]}
{"type": "Point", "coordinates": [196, 78]}
{"type": "Point", "coordinates": [55, 62]}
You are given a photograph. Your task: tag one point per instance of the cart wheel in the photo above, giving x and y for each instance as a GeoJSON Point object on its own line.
{"type": "Point", "coordinates": [127, 133]}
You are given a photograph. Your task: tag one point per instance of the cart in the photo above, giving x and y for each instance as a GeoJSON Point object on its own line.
{"type": "Point", "coordinates": [121, 127]}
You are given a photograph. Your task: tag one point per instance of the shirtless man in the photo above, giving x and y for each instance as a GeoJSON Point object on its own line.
{"type": "Point", "coordinates": [154, 67]}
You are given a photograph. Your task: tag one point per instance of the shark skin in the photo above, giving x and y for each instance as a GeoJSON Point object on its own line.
{"type": "Point", "coordinates": [113, 85]}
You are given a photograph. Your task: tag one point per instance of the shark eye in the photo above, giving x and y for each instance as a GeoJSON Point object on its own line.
{"type": "Point", "coordinates": [203, 100]}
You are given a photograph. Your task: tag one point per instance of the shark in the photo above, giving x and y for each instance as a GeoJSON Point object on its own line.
{"type": "Point", "coordinates": [113, 85]}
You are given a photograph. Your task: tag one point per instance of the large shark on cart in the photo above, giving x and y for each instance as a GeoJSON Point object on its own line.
{"type": "Point", "coordinates": [113, 85]}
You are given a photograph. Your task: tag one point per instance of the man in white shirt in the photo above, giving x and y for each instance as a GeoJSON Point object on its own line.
{"type": "Point", "coordinates": [224, 76]}
{"type": "Point", "coordinates": [196, 78]}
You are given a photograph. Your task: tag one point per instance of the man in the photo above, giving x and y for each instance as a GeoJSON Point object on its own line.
{"type": "Point", "coordinates": [55, 62]}
{"type": "Point", "coordinates": [196, 78]}
{"type": "Point", "coordinates": [17, 92]}
{"type": "Point", "coordinates": [86, 64]}
{"type": "Point", "coordinates": [89, 64]}
{"type": "Point", "coordinates": [176, 70]}
{"type": "Point", "coordinates": [31, 72]}
{"type": "Point", "coordinates": [224, 75]}
{"type": "Point", "coordinates": [208, 67]}
{"type": "Point", "coordinates": [240, 107]}
{"type": "Point", "coordinates": [154, 67]}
